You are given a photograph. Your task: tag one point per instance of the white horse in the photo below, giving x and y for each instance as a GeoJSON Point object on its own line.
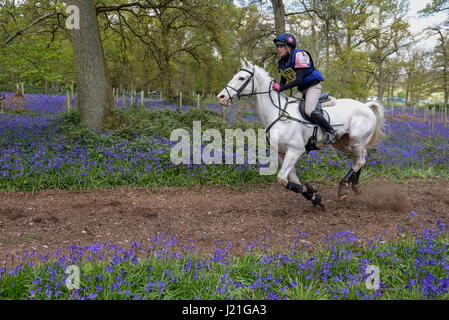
{"type": "Point", "coordinates": [357, 124]}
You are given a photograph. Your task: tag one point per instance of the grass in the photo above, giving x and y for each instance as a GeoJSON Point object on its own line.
{"type": "Point", "coordinates": [66, 155]}
{"type": "Point", "coordinates": [410, 268]}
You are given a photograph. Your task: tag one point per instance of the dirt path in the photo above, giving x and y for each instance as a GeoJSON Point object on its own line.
{"type": "Point", "coordinates": [52, 220]}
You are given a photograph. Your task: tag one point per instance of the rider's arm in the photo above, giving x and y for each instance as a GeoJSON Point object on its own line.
{"type": "Point", "coordinates": [294, 83]}
{"type": "Point", "coordinates": [283, 81]}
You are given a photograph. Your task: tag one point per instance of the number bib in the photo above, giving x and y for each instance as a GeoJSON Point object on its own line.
{"type": "Point", "coordinates": [289, 74]}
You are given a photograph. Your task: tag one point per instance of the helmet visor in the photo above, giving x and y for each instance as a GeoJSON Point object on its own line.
{"type": "Point", "coordinates": [279, 43]}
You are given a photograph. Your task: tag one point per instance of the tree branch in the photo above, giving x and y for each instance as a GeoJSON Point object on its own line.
{"type": "Point", "coordinates": [44, 17]}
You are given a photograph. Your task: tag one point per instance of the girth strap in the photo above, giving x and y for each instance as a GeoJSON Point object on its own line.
{"type": "Point", "coordinates": [311, 144]}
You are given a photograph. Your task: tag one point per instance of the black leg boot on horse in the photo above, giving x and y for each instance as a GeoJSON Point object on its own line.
{"type": "Point", "coordinates": [352, 177]}
{"type": "Point", "coordinates": [307, 191]}
{"type": "Point", "coordinates": [319, 119]}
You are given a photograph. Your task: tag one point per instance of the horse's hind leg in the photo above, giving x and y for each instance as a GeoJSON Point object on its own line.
{"type": "Point", "coordinates": [355, 178]}
{"type": "Point", "coordinates": [352, 177]}
{"type": "Point", "coordinates": [343, 144]}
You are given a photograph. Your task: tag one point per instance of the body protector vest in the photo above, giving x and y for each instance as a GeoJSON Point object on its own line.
{"type": "Point", "coordinates": [299, 59]}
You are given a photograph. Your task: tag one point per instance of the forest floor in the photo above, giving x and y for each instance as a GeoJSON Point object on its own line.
{"type": "Point", "coordinates": [267, 215]}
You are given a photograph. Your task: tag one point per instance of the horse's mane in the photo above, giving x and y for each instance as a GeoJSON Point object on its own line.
{"type": "Point", "coordinates": [265, 73]}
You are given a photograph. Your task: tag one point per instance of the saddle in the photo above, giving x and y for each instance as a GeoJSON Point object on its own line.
{"type": "Point", "coordinates": [324, 99]}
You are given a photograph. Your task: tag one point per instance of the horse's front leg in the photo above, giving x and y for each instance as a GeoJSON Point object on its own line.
{"type": "Point", "coordinates": [292, 174]}
{"type": "Point", "coordinates": [288, 161]}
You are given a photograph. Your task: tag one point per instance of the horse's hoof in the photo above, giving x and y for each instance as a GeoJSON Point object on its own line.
{"type": "Point", "coordinates": [310, 188]}
{"type": "Point", "coordinates": [342, 191]}
{"type": "Point", "coordinates": [356, 188]}
{"type": "Point", "coordinates": [318, 201]}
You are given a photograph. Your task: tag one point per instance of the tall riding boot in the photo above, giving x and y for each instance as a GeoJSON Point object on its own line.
{"type": "Point", "coordinates": [319, 119]}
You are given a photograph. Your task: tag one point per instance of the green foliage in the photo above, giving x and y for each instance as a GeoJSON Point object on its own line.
{"type": "Point", "coordinates": [138, 121]}
{"type": "Point", "coordinates": [196, 45]}
{"type": "Point", "coordinates": [409, 268]}
{"type": "Point", "coordinates": [438, 107]}
{"type": "Point", "coordinates": [345, 78]}
{"type": "Point", "coordinates": [35, 59]}
{"type": "Point", "coordinates": [435, 6]}
{"type": "Point", "coordinates": [401, 94]}
{"type": "Point", "coordinates": [109, 157]}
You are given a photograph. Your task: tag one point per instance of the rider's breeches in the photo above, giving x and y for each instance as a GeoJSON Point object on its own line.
{"type": "Point", "coordinates": [312, 96]}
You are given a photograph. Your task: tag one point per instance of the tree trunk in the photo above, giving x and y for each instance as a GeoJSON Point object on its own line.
{"type": "Point", "coordinates": [167, 80]}
{"type": "Point", "coordinates": [407, 91]}
{"type": "Point", "coordinates": [445, 79]}
{"type": "Point", "coordinates": [279, 16]}
{"type": "Point", "coordinates": [388, 91]}
{"type": "Point", "coordinates": [445, 67]}
{"type": "Point", "coordinates": [446, 97]}
{"type": "Point", "coordinates": [380, 86]}
{"type": "Point", "coordinates": [314, 23]}
{"type": "Point", "coordinates": [392, 88]}
{"type": "Point", "coordinates": [95, 99]}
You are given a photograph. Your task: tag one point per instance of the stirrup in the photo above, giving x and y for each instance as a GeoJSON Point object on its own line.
{"type": "Point", "coordinates": [331, 137]}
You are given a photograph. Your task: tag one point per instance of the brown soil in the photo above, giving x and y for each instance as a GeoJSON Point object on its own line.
{"type": "Point", "coordinates": [263, 214]}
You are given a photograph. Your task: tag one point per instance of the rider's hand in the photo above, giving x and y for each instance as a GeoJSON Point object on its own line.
{"type": "Point", "coordinates": [276, 86]}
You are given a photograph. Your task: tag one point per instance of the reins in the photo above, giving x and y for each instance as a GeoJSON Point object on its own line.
{"type": "Point", "coordinates": [283, 113]}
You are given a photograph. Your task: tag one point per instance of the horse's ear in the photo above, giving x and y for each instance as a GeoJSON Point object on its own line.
{"type": "Point", "coordinates": [245, 62]}
{"type": "Point", "coordinates": [248, 64]}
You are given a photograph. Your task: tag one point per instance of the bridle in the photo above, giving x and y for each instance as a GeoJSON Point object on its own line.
{"type": "Point", "coordinates": [239, 91]}
{"type": "Point", "coordinates": [251, 78]}
{"type": "Point", "coordinates": [283, 113]}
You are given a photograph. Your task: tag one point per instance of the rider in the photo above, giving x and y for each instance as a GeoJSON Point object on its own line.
{"type": "Point", "coordinates": [296, 68]}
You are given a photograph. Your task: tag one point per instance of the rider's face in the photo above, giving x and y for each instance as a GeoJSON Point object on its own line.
{"type": "Point", "coordinates": [282, 50]}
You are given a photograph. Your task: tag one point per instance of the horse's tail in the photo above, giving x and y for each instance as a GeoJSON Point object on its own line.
{"type": "Point", "coordinates": [378, 110]}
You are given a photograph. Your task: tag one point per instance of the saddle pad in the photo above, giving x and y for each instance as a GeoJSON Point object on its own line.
{"type": "Point", "coordinates": [336, 116]}
{"type": "Point", "coordinates": [331, 102]}
{"type": "Point", "coordinates": [331, 114]}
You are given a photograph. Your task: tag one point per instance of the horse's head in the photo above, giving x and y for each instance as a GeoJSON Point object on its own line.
{"type": "Point", "coordinates": [242, 84]}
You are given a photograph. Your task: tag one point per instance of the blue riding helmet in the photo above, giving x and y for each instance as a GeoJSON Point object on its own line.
{"type": "Point", "coordinates": [286, 39]}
